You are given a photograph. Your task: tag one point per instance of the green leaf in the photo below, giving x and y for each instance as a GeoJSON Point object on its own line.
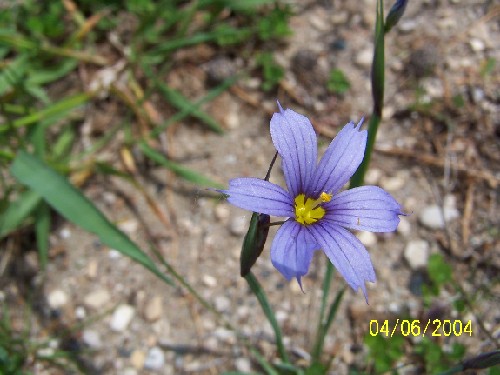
{"type": "Point", "coordinates": [268, 312]}
{"type": "Point", "coordinates": [439, 271]}
{"type": "Point", "coordinates": [17, 212]}
{"type": "Point", "coordinates": [179, 170]}
{"type": "Point", "coordinates": [75, 207]}
{"type": "Point", "coordinates": [180, 102]}
{"type": "Point", "coordinates": [42, 229]}
{"type": "Point", "coordinates": [338, 82]}
{"type": "Point", "coordinates": [63, 107]}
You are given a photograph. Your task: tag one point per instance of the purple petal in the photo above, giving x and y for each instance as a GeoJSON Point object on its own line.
{"type": "Point", "coordinates": [261, 196]}
{"type": "Point", "coordinates": [292, 250]}
{"type": "Point", "coordinates": [346, 252]}
{"type": "Point", "coordinates": [340, 160]}
{"type": "Point", "coordinates": [364, 208]}
{"type": "Point", "coordinates": [295, 139]}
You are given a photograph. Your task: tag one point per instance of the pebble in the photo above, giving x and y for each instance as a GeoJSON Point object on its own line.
{"type": "Point", "coordinates": [209, 280]}
{"type": "Point", "coordinates": [225, 335]}
{"type": "Point", "coordinates": [239, 225]}
{"type": "Point", "coordinates": [432, 216]}
{"type": "Point", "coordinates": [153, 309]}
{"type": "Point", "coordinates": [404, 226]}
{"type": "Point", "coordinates": [121, 318]}
{"type": "Point", "coordinates": [367, 238]}
{"type": "Point", "coordinates": [222, 303]}
{"type": "Point", "coordinates": [405, 26]}
{"type": "Point", "coordinates": [155, 359]}
{"type": "Point", "coordinates": [92, 269]}
{"type": "Point", "coordinates": [97, 299]}
{"type": "Point", "coordinates": [364, 58]}
{"type": "Point", "coordinates": [57, 298]}
{"type": "Point", "coordinates": [80, 312]}
{"type": "Point", "coordinates": [243, 365]}
{"type": "Point", "coordinates": [416, 253]}
{"type": "Point", "coordinates": [222, 212]}
{"type": "Point", "coordinates": [92, 339]}
{"type": "Point", "coordinates": [477, 45]}
{"type": "Point", "coordinates": [137, 359]}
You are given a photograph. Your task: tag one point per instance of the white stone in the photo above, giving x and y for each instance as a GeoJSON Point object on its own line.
{"type": "Point", "coordinates": [364, 58]}
{"type": "Point", "coordinates": [57, 298]}
{"type": "Point", "coordinates": [477, 45]}
{"type": "Point", "coordinates": [222, 303]}
{"type": "Point", "coordinates": [416, 253]}
{"type": "Point", "coordinates": [92, 339]}
{"type": "Point", "coordinates": [367, 238]}
{"type": "Point", "coordinates": [238, 225]}
{"type": "Point", "coordinates": [243, 365]}
{"type": "Point", "coordinates": [432, 216]}
{"type": "Point", "coordinates": [80, 312]}
{"type": "Point", "coordinates": [121, 318]}
{"type": "Point", "coordinates": [209, 280]}
{"type": "Point", "coordinates": [393, 183]}
{"type": "Point", "coordinates": [155, 360]}
{"type": "Point", "coordinates": [97, 299]}
{"type": "Point", "coordinates": [222, 212]}
{"type": "Point", "coordinates": [404, 226]}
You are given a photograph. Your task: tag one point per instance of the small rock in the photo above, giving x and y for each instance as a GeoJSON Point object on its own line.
{"type": "Point", "coordinates": [404, 226]}
{"type": "Point", "coordinates": [225, 335]}
{"type": "Point", "coordinates": [364, 58]}
{"type": "Point", "coordinates": [92, 339]}
{"type": "Point", "coordinates": [57, 298]}
{"type": "Point", "coordinates": [121, 318]}
{"type": "Point", "coordinates": [222, 303]}
{"type": "Point", "coordinates": [129, 225]}
{"type": "Point", "coordinates": [238, 225]}
{"type": "Point", "coordinates": [92, 269]}
{"type": "Point", "coordinates": [209, 280]}
{"type": "Point", "coordinates": [222, 212]}
{"type": "Point", "coordinates": [80, 312]}
{"type": "Point", "coordinates": [477, 45]}
{"type": "Point", "coordinates": [243, 365]}
{"type": "Point", "coordinates": [416, 254]}
{"type": "Point", "coordinates": [137, 359]}
{"type": "Point", "coordinates": [367, 238]}
{"type": "Point", "coordinates": [96, 299]}
{"type": "Point", "coordinates": [432, 216]}
{"type": "Point", "coordinates": [155, 359]}
{"type": "Point", "coordinates": [405, 26]}
{"type": "Point", "coordinates": [153, 309]}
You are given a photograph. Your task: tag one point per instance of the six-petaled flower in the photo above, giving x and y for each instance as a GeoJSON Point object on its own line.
{"type": "Point", "coordinates": [317, 213]}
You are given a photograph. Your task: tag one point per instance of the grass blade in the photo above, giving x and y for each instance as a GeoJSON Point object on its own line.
{"type": "Point", "coordinates": [268, 312]}
{"type": "Point", "coordinates": [182, 103]}
{"type": "Point", "coordinates": [42, 228]}
{"type": "Point", "coordinates": [18, 211]}
{"type": "Point", "coordinates": [56, 109]}
{"type": "Point", "coordinates": [74, 206]}
{"type": "Point", "coordinates": [179, 170]}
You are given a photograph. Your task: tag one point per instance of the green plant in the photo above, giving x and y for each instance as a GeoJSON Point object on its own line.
{"type": "Point", "coordinates": [338, 82]}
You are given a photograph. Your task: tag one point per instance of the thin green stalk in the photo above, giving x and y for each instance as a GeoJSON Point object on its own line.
{"type": "Point", "coordinates": [266, 307]}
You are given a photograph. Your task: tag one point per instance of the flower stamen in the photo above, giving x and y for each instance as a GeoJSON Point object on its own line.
{"type": "Point", "coordinates": [309, 211]}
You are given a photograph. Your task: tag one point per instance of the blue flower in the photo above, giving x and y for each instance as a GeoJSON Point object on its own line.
{"type": "Point", "coordinates": [317, 213]}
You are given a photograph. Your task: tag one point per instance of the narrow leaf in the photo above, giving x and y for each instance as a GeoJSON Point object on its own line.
{"type": "Point", "coordinates": [75, 207]}
{"type": "Point", "coordinates": [268, 312]}
{"type": "Point", "coordinates": [17, 211]}
{"type": "Point", "coordinates": [179, 170]}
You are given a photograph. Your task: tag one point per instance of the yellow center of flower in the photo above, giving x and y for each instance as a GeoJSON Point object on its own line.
{"type": "Point", "coordinates": [309, 210]}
